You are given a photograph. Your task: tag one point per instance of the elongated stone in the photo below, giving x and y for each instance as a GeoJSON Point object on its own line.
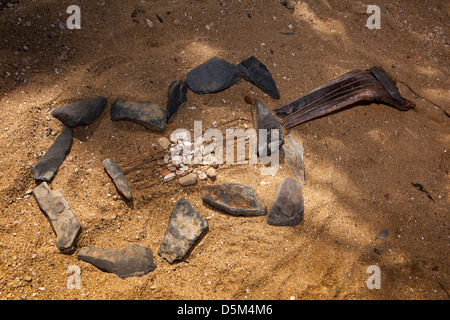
{"type": "Point", "coordinates": [268, 121]}
{"type": "Point", "coordinates": [257, 73]}
{"type": "Point", "coordinates": [81, 112]}
{"type": "Point", "coordinates": [234, 199]}
{"type": "Point", "coordinates": [131, 261]}
{"type": "Point", "coordinates": [176, 98]}
{"type": "Point", "coordinates": [64, 223]}
{"type": "Point", "coordinates": [213, 75]}
{"type": "Point", "coordinates": [46, 168]}
{"type": "Point", "coordinates": [287, 208]}
{"type": "Point", "coordinates": [146, 113]}
{"type": "Point", "coordinates": [185, 227]}
{"type": "Point", "coordinates": [292, 152]}
{"type": "Point", "coordinates": [117, 176]}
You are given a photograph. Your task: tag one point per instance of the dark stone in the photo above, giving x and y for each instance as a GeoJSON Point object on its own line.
{"type": "Point", "coordinates": [266, 119]}
{"type": "Point", "coordinates": [213, 75]}
{"type": "Point", "coordinates": [234, 199]}
{"type": "Point", "coordinates": [176, 98]}
{"type": "Point", "coordinates": [292, 152]}
{"type": "Point", "coordinates": [255, 72]}
{"type": "Point", "coordinates": [116, 174]}
{"type": "Point", "coordinates": [46, 168]}
{"type": "Point", "coordinates": [185, 227]}
{"type": "Point", "coordinates": [64, 223]}
{"type": "Point", "coordinates": [81, 112]}
{"type": "Point", "coordinates": [287, 208]}
{"type": "Point", "coordinates": [147, 113]}
{"type": "Point", "coordinates": [131, 261]}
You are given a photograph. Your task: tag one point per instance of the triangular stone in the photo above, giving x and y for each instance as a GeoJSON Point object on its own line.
{"type": "Point", "coordinates": [257, 73]}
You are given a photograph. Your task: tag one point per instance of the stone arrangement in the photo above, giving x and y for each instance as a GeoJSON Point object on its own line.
{"type": "Point", "coordinates": [186, 225]}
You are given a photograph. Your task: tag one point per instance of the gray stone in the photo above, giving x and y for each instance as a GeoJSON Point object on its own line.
{"type": "Point", "coordinates": [117, 176]}
{"type": "Point", "coordinates": [81, 112]}
{"type": "Point", "coordinates": [185, 227]}
{"type": "Point", "coordinates": [131, 261]}
{"type": "Point", "coordinates": [292, 152]}
{"type": "Point", "coordinates": [257, 73]}
{"type": "Point", "coordinates": [287, 208]}
{"type": "Point", "coordinates": [146, 113]}
{"type": "Point", "coordinates": [212, 76]}
{"type": "Point", "coordinates": [267, 120]}
{"type": "Point", "coordinates": [234, 199]}
{"type": "Point", "coordinates": [64, 223]}
{"type": "Point", "coordinates": [46, 168]}
{"type": "Point", "coordinates": [176, 98]}
{"type": "Point", "coordinates": [188, 180]}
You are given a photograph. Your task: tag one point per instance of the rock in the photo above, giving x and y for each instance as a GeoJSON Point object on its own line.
{"type": "Point", "coordinates": [287, 208]}
{"type": "Point", "coordinates": [211, 172]}
{"type": "Point", "coordinates": [164, 143]}
{"type": "Point", "coordinates": [212, 76]}
{"type": "Point", "coordinates": [292, 152]}
{"type": "Point", "coordinates": [188, 180]}
{"type": "Point", "coordinates": [169, 177]}
{"type": "Point", "coordinates": [383, 234]}
{"type": "Point", "coordinates": [46, 168]}
{"type": "Point", "coordinates": [147, 113]}
{"type": "Point", "coordinates": [64, 223]}
{"type": "Point", "coordinates": [116, 174]}
{"type": "Point", "coordinates": [176, 98]}
{"type": "Point", "coordinates": [257, 73]}
{"type": "Point", "coordinates": [289, 4]}
{"type": "Point", "coordinates": [267, 120]}
{"type": "Point", "coordinates": [234, 199]}
{"type": "Point", "coordinates": [81, 112]}
{"type": "Point", "coordinates": [131, 261]}
{"type": "Point", "coordinates": [202, 175]}
{"type": "Point", "coordinates": [185, 227]}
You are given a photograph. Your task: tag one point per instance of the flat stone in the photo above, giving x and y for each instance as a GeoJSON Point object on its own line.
{"type": "Point", "coordinates": [116, 174]}
{"type": "Point", "coordinates": [64, 223]}
{"type": "Point", "coordinates": [131, 261]}
{"type": "Point", "coordinates": [46, 168]}
{"type": "Point", "coordinates": [234, 199]}
{"type": "Point", "coordinates": [188, 180]}
{"type": "Point", "coordinates": [255, 72]}
{"type": "Point", "coordinates": [287, 208]}
{"type": "Point", "coordinates": [169, 176]}
{"type": "Point", "coordinates": [185, 227]}
{"type": "Point", "coordinates": [81, 112]}
{"type": "Point", "coordinates": [292, 152]}
{"type": "Point", "coordinates": [164, 143]}
{"type": "Point", "coordinates": [176, 98]}
{"type": "Point", "coordinates": [212, 76]}
{"type": "Point", "coordinates": [267, 120]}
{"type": "Point", "coordinates": [146, 113]}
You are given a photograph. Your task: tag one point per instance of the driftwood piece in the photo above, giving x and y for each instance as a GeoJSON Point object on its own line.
{"type": "Point", "coordinates": [356, 86]}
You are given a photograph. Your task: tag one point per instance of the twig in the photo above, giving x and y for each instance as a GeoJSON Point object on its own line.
{"type": "Point", "coordinates": [156, 157]}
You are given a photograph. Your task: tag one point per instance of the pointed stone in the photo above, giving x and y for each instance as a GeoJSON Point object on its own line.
{"type": "Point", "coordinates": [213, 75]}
{"type": "Point", "coordinates": [176, 98]}
{"type": "Point", "coordinates": [185, 227]}
{"type": "Point", "coordinates": [234, 199]}
{"type": "Point", "coordinates": [292, 152]}
{"type": "Point", "coordinates": [147, 113]}
{"type": "Point", "coordinates": [267, 120]}
{"type": "Point", "coordinates": [255, 72]}
{"type": "Point", "coordinates": [81, 112]}
{"type": "Point", "coordinates": [287, 208]}
{"type": "Point", "coordinates": [116, 174]}
{"type": "Point", "coordinates": [64, 223]}
{"type": "Point", "coordinates": [131, 261]}
{"type": "Point", "coordinates": [46, 168]}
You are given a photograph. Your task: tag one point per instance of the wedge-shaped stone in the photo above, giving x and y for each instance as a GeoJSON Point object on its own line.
{"type": "Point", "coordinates": [287, 208]}
{"type": "Point", "coordinates": [61, 217]}
{"type": "Point", "coordinates": [147, 113]}
{"type": "Point", "coordinates": [185, 227]}
{"type": "Point", "coordinates": [131, 261]}
{"type": "Point", "coordinates": [292, 152]}
{"type": "Point", "coordinates": [234, 199]}
{"type": "Point", "coordinates": [81, 112]}
{"type": "Point", "coordinates": [46, 168]}
{"type": "Point", "coordinates": [255, 72]}
{"type": "Point", "coordinates": [213, 75]}
{"type": "Point", "coordinates": [268, 121]}
{"type": "Point", "coordinates": [176, 98]}
{"type": "Point", "coordinates": [117, 176]}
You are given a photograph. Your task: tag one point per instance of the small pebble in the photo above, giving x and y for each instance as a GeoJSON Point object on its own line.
{"type": "Point", "coordinates": [169, 177]}
{"type": "Point", "coordinates": [202, 175]}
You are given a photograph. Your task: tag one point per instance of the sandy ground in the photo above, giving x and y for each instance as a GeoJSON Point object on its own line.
{"type": "Point", "coordinates": [360, 163]}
